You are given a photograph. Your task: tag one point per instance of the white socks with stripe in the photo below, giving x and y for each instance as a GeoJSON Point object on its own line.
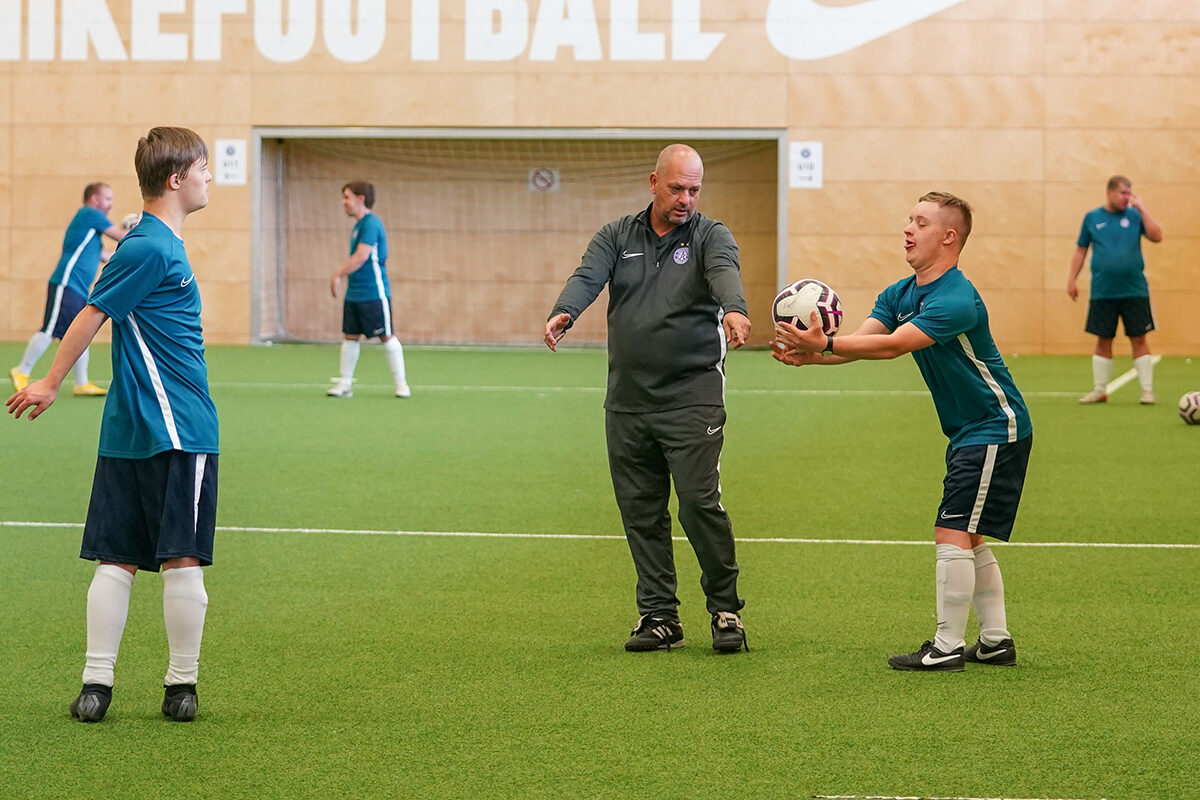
{"type": "Point", "coordinates": [989, 597]}
{"type": "Point", "coordinates": [395, 357]}
{"type": "Point", "coordinates": [107, 610]}
{"type": "Point", "coordinates": [1101, 373]}
{"type": "Point", "coordinates": [1145, 371]}
{"type": "Point", "coordinates": [184, 606]}
{"type": "Point", "coordinates": [350, 349]}
{"type": "Point", "coordinates": [955, 586]}
{"type": "Point", "coordinates": [81, 365]}
{"type": "Point", "coordinates": [38, 344]}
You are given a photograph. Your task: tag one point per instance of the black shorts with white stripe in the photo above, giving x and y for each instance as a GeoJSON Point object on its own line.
{"type": "Point", "coordinates": [982, 488]}
{"type": "Point", "coordinates": [62, 306]}
{"type": "Point", "coordinates": [145, 511]}
{"type": "Point", "coordinates": [372, 318]}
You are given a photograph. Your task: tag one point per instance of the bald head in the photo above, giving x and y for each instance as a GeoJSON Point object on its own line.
{"type": "Point", "coordinates": [675, 185]}
{"type": "Point", "coordinates": [677, 154]}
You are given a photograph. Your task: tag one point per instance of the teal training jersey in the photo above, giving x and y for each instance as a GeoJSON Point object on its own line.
{"type": "Point", "coordinates": [370, 281]}
{"type": "Point", "coordinates": [976, 399]}
{"type": "Point", "coordinates": [1118, 270]}
{"type": "Point", "coordinates": [159, 397]}
{"type": "Point", "coordinates": [81, 248]}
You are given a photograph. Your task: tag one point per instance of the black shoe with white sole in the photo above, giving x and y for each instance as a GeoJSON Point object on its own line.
{"type": "Point", "coordinates": [929, 659]}
{"type": "Point", "coordinates": [655, 633]}
{"type": "Point", "coordinates": [1003, 654]}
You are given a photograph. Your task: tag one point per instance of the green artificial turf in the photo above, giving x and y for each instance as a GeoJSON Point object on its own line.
{"type": "Point", "coordinates": [379, 665]}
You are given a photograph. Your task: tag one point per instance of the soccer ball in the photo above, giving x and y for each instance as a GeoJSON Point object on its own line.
{"type": "Point", "coordinates": [796, 303]}
{"type": "Point", "coordinates": [1189, 408]}
{"type": "Point", "coordinates": [131, 220]}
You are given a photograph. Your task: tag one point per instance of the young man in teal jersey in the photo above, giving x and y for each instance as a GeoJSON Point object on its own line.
{"type": "Point", "coordinates": [1114, 233]}
{"type": "Point", "coordinates": [67, 291]}
{"type": "Point", "coordinates": [937, 315]}
{"type": "Point", "coordinates": [154, 496]}
{"type": "Point", "coordinates": [367, 310]}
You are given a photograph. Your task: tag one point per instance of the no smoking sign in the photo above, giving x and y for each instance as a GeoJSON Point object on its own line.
{"type": "Point", "coordinates": [542, 179]}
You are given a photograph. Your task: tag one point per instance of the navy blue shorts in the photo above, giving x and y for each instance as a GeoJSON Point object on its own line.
{"type": "Point", "coordinates": [1133, 311]}
{"type": "Point", "coordinates": [62, 306]}
{"type": "Point", "coordinates": [983, 487]}
{"type": "Point", "coordinates": [372, 318]}
{"type": "Point", "coordinates": [145, 511]}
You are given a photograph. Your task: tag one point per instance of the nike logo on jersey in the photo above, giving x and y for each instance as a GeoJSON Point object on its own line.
{"type": "Point", "coordinates": [951, 516]}
{"type": "Point", "coordinates": [808, 30]}
{"type": "Point", "coordinates": [930, 660]}
{"type": "Point", "coordinates": [187, 280]}
{"type": "Point", "coordinates": [1100, 225]}
{"type": "Point", "coordinates": [711, 431]}
{"type": "Point", "coordinates": [903, 317]}
{"type": "Point", "coordinates": [627, 254]}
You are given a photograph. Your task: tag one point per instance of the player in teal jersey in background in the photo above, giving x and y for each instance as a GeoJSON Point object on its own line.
{"type": "Point", "coordinates": [937, 315]}
{"type": "Point", "coordinates": [67, 293]}
{"type": "Point", "coordinates": [367, 310]}
{"type": "Point", "coordinates": [1114, 233]}
{"type": "Point", "coordinates": [154, 496]}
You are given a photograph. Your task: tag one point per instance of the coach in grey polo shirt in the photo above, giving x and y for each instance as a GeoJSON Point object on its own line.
{"type": "Point", "coordinates": [675, 307]}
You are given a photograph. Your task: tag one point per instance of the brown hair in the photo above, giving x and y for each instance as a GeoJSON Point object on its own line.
{"type": "Point", "coordinates": [1118, 180]}
{"type": "Point", "coordinates": [364, 190]}
{"type": "Point", "coordinates": [93, 189]}
{"type": "Point", "coordinates": [944, 199]}
{"type": "Point", "coordinates": [164, 152]}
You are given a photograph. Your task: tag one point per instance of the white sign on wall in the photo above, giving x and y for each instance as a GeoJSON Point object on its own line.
{"type": "Point", "coordinates": [805, 165]}
{"type": "Point", "coordinates": [543, 179]}
{"type": "Point", "coordinates": [227, 162]}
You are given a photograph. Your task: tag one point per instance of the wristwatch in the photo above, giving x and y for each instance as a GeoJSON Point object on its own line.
{"type": "Point", "coordinates": [828, 351]}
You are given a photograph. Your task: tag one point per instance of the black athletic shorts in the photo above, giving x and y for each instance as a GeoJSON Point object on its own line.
{"type": "Point", "coordinates": [147, 510]}
{"type": "Point", "coordinates": [62, 306]}
{"type": "Point", "coordinates": [372, 318]}
{"type": "Point", "coordinates": [1134, 311]}
{"type": "Point", "coordinates": [983, 486]}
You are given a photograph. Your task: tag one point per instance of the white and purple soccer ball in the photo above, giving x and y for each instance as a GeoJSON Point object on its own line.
{"type": "Point", "coordinates": [1189, 408]}
{"type": "Point", "coordinates": [797, 301]}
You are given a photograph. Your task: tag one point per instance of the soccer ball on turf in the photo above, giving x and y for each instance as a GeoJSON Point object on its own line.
{"type": "Point", "coordinates": [1189, 408]}
{"type": "Point", "coordinates": [796, 303]}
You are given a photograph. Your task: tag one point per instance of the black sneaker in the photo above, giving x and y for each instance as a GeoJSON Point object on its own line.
{"type": "Point", "coordinates": [655, 633]}
{"type": "Point", "coordinates": [1003, 654]}
{"type": "Point", "coordinates": [929, 659]}
{"type": "Point", "coordinates": [92, 702]}
{"type": "Point", "coordinates": [180, 702]}
{"type": "Point", "coordinates": [728, 634]}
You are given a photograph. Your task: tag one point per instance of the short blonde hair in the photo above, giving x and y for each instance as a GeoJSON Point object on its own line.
{"type": "Point", "coordinates": [945, 199]}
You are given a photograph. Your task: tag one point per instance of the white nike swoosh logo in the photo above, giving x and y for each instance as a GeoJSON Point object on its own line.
{"type": "Point", "coordinates": [950, 516]}
{"type": "Point", "coordinates": [1100, 225]}
{"type": "Point", "coordinates": [187, 280]}
{"type": "Point", "coordinates": [985, 656]}
{"type": "Point", "coordinates": [807, 30]}
{"type": "Point", "coordinates": [930, 660]}
{"type": "Point", "coordinates": [626, 254]}
{"type": "Point", "coordinates": [711, 431]}
{"type": "Point", "coordinates": [903, 317]}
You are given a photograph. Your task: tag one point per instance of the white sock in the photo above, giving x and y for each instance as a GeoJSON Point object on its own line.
{"type": "Point", "coordinates": [1145, 372]}
{"type": "Point", "coordinates": [1101, 372]}
{"type": "Point", "coordinates": [350, 348]}
{"type": "Point", "coordinates": [38, 344]}
{"type": "Point", "coordinates": [989, 597]}
{"type": "Point", "coordinates": [395, 357]}
{"type": "Point", "coordinates": [184, 605]}
{"type": "Point", "coordinates": [955, 585]}
{"type": "Point", "coordinates": [107, 610]}
{"type": "Point", "coordinates": [81, 365]}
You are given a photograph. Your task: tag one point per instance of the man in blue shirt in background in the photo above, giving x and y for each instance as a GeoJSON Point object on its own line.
{"type": "Point", "coordinates": [367, 310]}
{"type": "Point", "coordinates": [1114, 232]}
{"type": "Point", "coordinates": [937, 315]}
{"type": "Point", "coordinates": [67, 293]}
{"type": "Point", "coordinates": [154, 496]}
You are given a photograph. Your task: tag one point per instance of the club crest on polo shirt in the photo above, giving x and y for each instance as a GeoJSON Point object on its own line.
{"type": "Point", "coordinates": [1124, 222]}
{"type": "Point", "coordinates": [681, 254]}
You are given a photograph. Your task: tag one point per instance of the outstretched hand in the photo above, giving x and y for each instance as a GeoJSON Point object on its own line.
{"type": "Point", "coordinates": [795, 340]}
{"type": "Point", "coordinates": [556, 328]}
{"type": "Point", "coordinates": [37, 397]}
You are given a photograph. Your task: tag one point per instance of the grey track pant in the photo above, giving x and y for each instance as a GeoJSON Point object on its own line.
{"type": "Point", "coordinates": [645, 453]}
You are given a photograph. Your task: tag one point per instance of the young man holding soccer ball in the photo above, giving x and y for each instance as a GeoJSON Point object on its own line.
{"type": "Point", "coordinates": [937, 315]}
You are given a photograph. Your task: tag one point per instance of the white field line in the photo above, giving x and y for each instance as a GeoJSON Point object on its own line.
{"type": "Point", "coordinates": [1126, 377]}
{"type": "Point", "coordinates": [615, 537]}
{"type": "Point", "coordinates": [929, 797]}
{"type": "Point", "coordinates": [600, 389]}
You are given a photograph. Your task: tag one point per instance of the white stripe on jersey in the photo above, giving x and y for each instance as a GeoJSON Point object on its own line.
{"type": "Point", "coordinates": [724, 351]}
{"type": "Point", "coordinates": [66, 277]}
{"type": "Point", "coordinates": [160, 391]}
{"type": "Point", "coordinates": [993, 385]}
{"type": "Point", "coordinates": [985, 482]}
{"type": "Point", "coordinates": [387, 307]}
{"type": "Point", "coordinates": [201, 459]}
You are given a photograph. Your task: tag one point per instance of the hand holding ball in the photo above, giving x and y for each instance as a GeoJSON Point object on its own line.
{"type": "Point", "coordinates": [796, 303]}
